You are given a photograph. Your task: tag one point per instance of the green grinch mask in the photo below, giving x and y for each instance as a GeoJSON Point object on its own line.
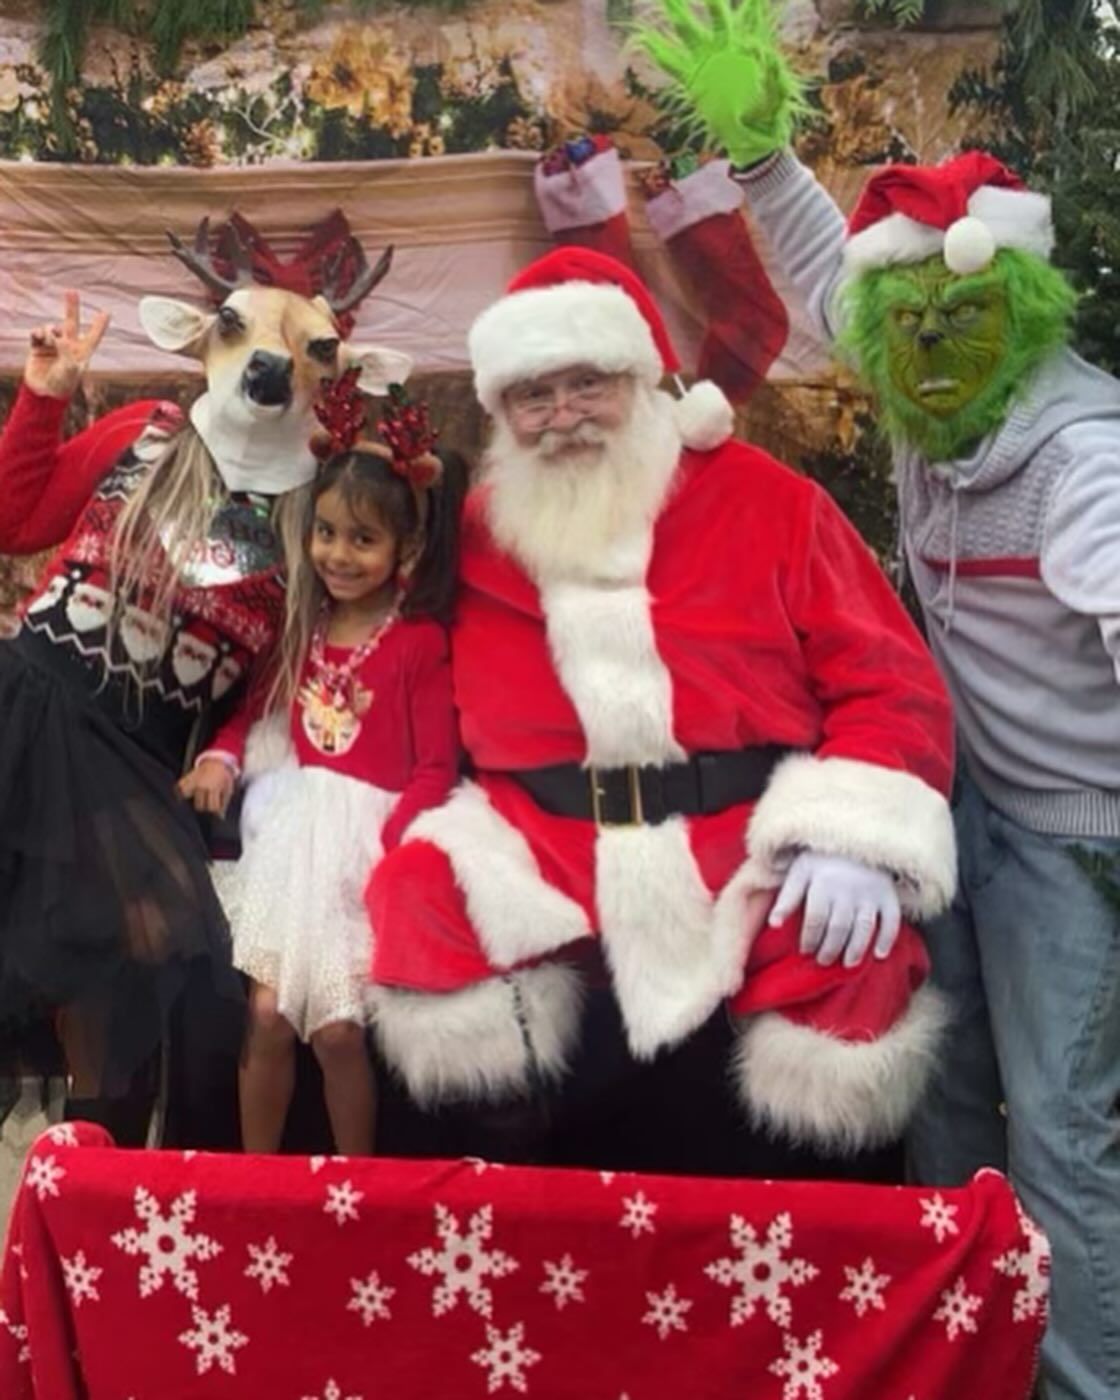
{"type": "Point", "coordinates": [946, 355]}
{"type": "Point", "coordinates": [945, 336]}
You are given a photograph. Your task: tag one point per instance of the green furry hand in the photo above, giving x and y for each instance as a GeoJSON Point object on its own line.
{"type": "Point", "coordinates": [730, 77]}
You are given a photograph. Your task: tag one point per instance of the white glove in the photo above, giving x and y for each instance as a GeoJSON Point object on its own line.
{"type": "Point", "coordinates": [844, 903]}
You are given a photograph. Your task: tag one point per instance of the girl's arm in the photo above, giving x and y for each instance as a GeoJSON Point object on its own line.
{"type": "Point", "coordinates": [435, 735]}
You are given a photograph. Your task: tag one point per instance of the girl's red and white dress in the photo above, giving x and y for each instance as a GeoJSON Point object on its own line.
{"type": "Point", "coordinates": [372, 742]}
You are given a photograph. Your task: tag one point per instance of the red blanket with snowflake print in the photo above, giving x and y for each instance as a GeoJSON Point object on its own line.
{"type": "Point", "coordinates": [159, 1275]}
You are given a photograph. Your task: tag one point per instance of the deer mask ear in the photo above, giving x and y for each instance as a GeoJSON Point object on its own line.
{"type": "Point", "coordinates": [173, 325]}
{"type": "Point", "coordinates": [379, 367]}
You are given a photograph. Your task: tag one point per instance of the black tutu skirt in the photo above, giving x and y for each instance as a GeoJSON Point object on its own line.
{"type": "Point", "coordinates": [107, 911]}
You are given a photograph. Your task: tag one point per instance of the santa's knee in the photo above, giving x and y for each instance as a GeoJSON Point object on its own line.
{"type": "Point", "coordinates": [831, 1057]}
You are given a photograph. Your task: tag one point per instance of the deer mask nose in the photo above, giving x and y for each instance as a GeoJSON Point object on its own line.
{"type": "Point", "coordinates": [268, 378]}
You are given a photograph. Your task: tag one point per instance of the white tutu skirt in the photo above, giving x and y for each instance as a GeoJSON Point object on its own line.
{"type": "Point", "coordinates": [310, 838]}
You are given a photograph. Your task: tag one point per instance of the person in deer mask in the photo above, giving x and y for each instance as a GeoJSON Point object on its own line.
{"type": "Point", "coordinates": [163, 598]}
{"type": "Point", "coordinates": [692, 704]}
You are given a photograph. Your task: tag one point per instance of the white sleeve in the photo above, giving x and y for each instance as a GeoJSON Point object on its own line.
{"type": "Point", "coordinates": [804, 231]}
{"type": "Point", "coordinates": [1080, 561]}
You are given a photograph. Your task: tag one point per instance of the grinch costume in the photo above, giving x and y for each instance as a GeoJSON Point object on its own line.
{"type": "Point", "coordinates": [1006, 449]}
{"type": "Point", "coordinates": [728, 684]}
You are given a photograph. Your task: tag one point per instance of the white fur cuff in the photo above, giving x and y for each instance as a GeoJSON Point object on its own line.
{"type": "Point", "coordinates": [880, 816]}
{"type": "Point", "coordinates": [707, 191]}
{"type": "Point", "coordinates": [471, 1044]}
{"type": "Point", "coordinates": [812, 1087]}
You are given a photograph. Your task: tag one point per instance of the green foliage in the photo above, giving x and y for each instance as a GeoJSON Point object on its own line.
{"type": "Point", "coordinates": [167, 24]}
{"type": "Point", "coordinates": [1040, 304]}
{"type": "Point", "coordinates": [899, 12]}
{"type": "Point", "coordinates": [860, 483]}
{"type": "Point", "coordinates": [1053, 100]}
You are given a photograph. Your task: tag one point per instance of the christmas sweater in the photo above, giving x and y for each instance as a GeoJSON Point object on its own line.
{"type": "Point", "coordinates": [165, 683]}
{"type": "Point", "coordinates": [392, 726]}
{"type": "Point", "coordinates": [1014, 552]}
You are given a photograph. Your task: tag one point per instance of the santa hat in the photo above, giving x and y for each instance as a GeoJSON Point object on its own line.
{"type": "Point", "coordinates": [574, 306]}
{"type": "Point", "coordinates": [965, 209]}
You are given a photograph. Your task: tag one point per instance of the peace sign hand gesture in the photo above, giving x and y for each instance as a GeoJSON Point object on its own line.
{"type": "Point", "coordinates": [60, 353]}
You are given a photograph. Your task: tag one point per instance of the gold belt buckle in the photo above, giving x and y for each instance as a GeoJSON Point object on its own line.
{"type": "Point", "coordinates": [634, 783]}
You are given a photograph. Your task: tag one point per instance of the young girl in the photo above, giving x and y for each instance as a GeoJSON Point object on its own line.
{"type": "Point", "coordinates": [373, 742]}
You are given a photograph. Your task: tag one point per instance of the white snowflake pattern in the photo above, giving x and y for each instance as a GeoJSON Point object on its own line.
{"type": "Point", "coordinates": [761, 1272]}
{"type": "Point", "coordinates": [667, 1312]}
{"type": "Point", "coordinates": [464, 1261]}
{"type": "Point", "coordinates": [332, 1391]}
{"type": "Point", "coordinates": [637, 1214]}
{"type": "Point", "coordinates": [214, 1339]}
{"type": "Point", "coordinates": [506, 1358]}
{"type": "Point", "coordinates": [342, 1201]}
{"type": "Point", "coordinates": [63, 1135]}
{"type": "Point", "coordinates": [479, 1165]}
{"type": "Point", "coordinates": [167, 1243]}
{"type": "Point", "coordinates": [1032, 1265]}
{"type": "Point", "coordinates": [268, 1264]}
{"type": "Point", "coordinates": [18, 1332]}
{"type": "Point", "coordinates": [43, 1175]}
{"type": "Point", "coordinates": [318, 1163]}
{"type": "Point", "coordinates": [865, 1288]}
{"type": "Point", "coordinates": [81, 1279]}
{"type": "Point", "coordinates": [939, 1216]}
{"type": "Point", "coordinates": [564, 1282]}
{"type": "Point", "coordinates": [803, 1367]}
{"type": "Point", "coordinates": [958, 1310]}
{"type": "Point", "coordinates": [607, 1177]}
{"type": "Point", "coordinates": [371, 1298]}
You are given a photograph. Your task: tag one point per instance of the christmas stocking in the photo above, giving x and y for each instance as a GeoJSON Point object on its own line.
{"type": "Point", "coordinates": [698, 220]}
{"type": "Point", "coordinates": [582, 197]}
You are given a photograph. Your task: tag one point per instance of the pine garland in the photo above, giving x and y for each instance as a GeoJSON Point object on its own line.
{"type": "Point", "coordinates": [900, 12]}
{"type": "Point", "coordinates": [167, 24]}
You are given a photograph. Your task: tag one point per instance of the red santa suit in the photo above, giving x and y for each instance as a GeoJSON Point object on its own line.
{"type": "Point", "coordinates": [748, 618]}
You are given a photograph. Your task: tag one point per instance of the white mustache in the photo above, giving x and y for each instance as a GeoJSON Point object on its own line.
{"type": "Point", "coordinates": [554, 440]}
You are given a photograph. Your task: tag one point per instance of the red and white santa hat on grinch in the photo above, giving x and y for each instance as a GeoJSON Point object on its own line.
{"type": "Point", "coordinates": [575, 306]}
{"type": "Point", "coordinates": [966, 209]}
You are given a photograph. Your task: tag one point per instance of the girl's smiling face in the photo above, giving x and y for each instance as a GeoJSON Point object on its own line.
{"type": "Point", "coordinates": [352, 550]}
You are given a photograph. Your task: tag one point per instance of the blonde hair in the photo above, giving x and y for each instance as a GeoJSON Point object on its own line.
{"type": "Point", "coordinates": [164, 524]}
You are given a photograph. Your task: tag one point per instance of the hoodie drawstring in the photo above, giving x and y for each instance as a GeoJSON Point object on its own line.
{"type": "Point", "coordinates": [954, 519]}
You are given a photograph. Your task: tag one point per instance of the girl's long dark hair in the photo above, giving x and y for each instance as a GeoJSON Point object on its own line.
{"type": "Point", "coordinates": [368, 482]}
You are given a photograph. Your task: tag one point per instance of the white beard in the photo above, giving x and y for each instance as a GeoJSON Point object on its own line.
{"type": "Point", "coordinates": [585, 519]}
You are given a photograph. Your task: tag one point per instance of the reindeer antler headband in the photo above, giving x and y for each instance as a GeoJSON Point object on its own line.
{"type": "Point", "coordinates": [407, 436]}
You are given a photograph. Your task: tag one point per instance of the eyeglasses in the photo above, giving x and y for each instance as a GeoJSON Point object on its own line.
{"type": "Point", "coordinates": [536, 402]}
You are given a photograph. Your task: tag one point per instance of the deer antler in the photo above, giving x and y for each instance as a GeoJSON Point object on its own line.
{"type": "Point", "coordinates": [200, 261]}
{"type": "Point", "coordinates": [365, 278]}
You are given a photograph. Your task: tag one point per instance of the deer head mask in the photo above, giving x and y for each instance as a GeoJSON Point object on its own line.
{"type": "Point", "coordinates": [265, 350]}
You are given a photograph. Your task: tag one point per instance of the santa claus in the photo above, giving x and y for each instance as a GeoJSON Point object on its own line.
{"type": "Point", "coordinates": [705, 743]}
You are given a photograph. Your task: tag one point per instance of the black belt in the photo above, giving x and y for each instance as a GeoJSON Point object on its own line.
{"type": "Point", "coordinates": [707, 783]}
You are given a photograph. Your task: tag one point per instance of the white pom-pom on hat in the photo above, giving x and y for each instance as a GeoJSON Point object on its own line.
{"type": "Point", "coordinates": [704, 417]}
{"type": "Point", "coordinates": [970, 246]}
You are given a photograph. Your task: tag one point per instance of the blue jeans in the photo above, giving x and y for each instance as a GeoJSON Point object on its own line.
{"type": "Point", "coordinates": [1029, 955]}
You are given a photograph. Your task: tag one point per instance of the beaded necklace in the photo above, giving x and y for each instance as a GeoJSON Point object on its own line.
{"type": "Point", "coordinates": [338, 677]}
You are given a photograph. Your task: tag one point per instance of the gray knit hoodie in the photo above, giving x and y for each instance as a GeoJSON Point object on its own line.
{"type": "Point", "coordinates": [1014, 553]}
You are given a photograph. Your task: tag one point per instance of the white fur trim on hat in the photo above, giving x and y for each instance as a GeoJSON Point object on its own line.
{"type": "Point", "coordinates": [1014, 219]}
{"type": "Point", "coordinates": [704, 417]}
{"type": "Point", "coordinates": [545, 329]}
